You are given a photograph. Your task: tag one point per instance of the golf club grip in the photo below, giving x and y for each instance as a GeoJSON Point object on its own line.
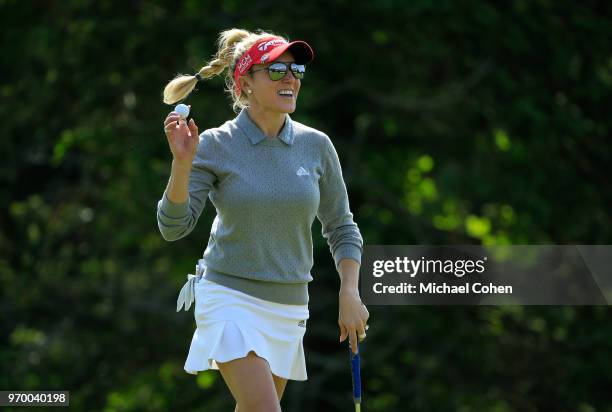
{"type": "Point", "coordinates": [355, 373]}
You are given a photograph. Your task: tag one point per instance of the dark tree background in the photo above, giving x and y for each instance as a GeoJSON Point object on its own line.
{"type": "Point", "coordinates": [456, 123]}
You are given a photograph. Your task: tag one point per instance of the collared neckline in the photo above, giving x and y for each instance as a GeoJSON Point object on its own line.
{"type": "Point", "coordinates": [254, 133]}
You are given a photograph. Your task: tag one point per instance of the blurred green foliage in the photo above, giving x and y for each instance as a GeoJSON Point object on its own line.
{"type": "Point", "coordinates": [456, 122]}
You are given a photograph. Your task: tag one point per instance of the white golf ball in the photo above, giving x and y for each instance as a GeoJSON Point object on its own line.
{"type": "Point", "coordinates": [182, 110]}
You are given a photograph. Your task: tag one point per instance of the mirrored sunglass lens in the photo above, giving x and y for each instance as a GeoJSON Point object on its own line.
{"type": "Point", "coordinates": [298, 70]}
{"type": "Point", "coordinates": [277, 75]}
{"type": "Point", "coordinates": [277, 71]}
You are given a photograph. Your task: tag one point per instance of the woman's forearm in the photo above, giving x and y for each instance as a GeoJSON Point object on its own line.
{"type": "Point", "coordinates": [349, 276]}
{"type": "Point", "coordinates": [178, 184]}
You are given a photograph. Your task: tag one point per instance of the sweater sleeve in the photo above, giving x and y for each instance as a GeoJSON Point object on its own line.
{"type": "Point", "coordinates": [337, 225]}
{"type": "Point", "coordinates": [177, 220]}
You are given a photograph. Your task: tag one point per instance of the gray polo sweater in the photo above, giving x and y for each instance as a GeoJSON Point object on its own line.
{"type": "Point", "coordinates": [266, 192]}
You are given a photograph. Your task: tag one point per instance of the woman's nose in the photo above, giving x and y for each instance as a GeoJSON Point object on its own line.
{"type": "Point", "coordinates": [288, 76]}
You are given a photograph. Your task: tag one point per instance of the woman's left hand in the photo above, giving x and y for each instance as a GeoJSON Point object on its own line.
{"type": "Point", "coordinates": [352, 318]}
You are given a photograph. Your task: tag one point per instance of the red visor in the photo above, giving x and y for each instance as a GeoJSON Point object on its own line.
{"type": "Point", "coordinates": [268, 50]}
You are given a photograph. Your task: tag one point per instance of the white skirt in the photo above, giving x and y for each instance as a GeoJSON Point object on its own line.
{"type": "Point", "coordinates": [231, 323]}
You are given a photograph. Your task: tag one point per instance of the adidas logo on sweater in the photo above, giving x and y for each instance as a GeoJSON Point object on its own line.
{"type": "Point", "coordinates": [302, 324]}
{"type": "Point", "coordinates": [302, 172]}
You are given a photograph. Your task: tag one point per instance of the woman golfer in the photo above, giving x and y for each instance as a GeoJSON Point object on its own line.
{"type": "Point", "coordinates": [268, 176]}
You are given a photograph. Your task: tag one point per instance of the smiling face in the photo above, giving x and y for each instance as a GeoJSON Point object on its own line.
{"type": "Point", "coordinates": [265, 95]}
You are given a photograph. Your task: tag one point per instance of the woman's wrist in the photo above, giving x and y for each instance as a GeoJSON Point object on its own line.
{"type": "Point", "coordinates": [181, 164]}
{"type": "Point", "coordinates": [348, 291]}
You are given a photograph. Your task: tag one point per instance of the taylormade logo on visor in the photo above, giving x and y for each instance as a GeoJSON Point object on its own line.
{"type": "Point", "coordinates": [264, 46]}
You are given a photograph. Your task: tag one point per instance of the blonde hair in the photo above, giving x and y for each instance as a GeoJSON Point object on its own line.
{"type": "Point", "coordinates": [231, 45]}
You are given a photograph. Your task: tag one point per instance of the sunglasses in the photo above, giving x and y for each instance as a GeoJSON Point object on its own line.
{"type": "Point", "coordinates": [278, 70]}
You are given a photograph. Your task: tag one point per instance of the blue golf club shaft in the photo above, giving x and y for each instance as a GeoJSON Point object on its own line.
{"type": "Point", "coordinates": [356, 376]}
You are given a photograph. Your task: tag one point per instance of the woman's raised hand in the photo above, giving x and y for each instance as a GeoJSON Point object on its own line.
{"type": "Point", "coordinates": [183, 138]}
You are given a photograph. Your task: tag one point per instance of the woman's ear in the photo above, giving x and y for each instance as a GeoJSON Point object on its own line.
{"type": "Point", "coordinates": [244, 85]}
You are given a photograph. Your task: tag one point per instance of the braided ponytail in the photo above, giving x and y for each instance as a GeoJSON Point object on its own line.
{"type": "Point", "coordinates": [231, 45]}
